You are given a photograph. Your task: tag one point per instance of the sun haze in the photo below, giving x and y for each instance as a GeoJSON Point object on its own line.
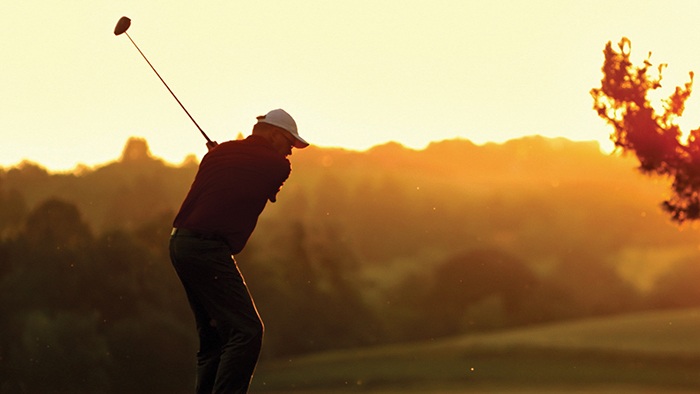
{"type": "Point", "coordinates": [353, 74]}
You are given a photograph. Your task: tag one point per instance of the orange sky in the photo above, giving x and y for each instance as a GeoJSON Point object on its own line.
{"type": "Point", "coordinates": [353, 74]}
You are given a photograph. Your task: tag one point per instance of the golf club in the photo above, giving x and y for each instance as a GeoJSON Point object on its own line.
{"type": "Point", "coordinates": [121, 28]}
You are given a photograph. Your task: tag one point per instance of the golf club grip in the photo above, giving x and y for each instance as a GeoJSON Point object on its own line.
{"type": "Point", "coordinates": [168, 87]}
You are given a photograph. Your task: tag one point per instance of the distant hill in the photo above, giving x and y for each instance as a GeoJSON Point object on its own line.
{"type": "Point", "coordinates": [126, 192]}
{"type": "Point", "coordinates": [535, 197]}
{"type": "Point", "coordinates": [541, 199]}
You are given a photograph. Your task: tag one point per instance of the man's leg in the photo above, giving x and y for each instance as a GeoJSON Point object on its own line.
{"type": "Point", "coordinates": [212, 277]}
{"type": "Point", "coordinates": [210, 346]}
{"type": "Point", "coordinates": [210, 343]}
{"type": "Point", "coordinates": [242, 327]}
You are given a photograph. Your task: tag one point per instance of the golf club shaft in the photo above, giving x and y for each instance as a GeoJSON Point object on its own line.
{"type": "Point", "coordinates": [168, 87]}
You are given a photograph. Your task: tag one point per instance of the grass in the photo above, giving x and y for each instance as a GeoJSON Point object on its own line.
{"type": "Point", "coordinates": [656, 352]}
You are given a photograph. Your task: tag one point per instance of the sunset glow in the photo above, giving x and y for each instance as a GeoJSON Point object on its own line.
{"type": "Point", "coordinates": [353, 75]}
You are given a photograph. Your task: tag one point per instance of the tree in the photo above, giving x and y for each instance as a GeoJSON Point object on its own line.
{"type": "Point", "coordinates": [654, 138]}
{"type": "Point", "coordinates": [477, 290]}
{"type": "Point", "coordinates": [57, 224]}
{"type": "Point", "coordinates": [91, 314]}
{"type": "Point", "coordinates": [678, 288]}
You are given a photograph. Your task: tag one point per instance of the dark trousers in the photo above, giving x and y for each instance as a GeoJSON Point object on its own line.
{"type": "Point", "coordinates": [229, 327]}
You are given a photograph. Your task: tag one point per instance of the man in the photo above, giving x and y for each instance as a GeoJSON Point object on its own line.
{"type": "Point", "coordinates": [232, 186]}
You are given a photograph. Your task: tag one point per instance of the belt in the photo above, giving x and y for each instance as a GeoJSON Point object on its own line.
{"type": "Point", "coordinates": [183, 232]}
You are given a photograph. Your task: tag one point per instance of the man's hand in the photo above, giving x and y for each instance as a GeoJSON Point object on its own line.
{"type": "Point", "coordinates": [211, 145]}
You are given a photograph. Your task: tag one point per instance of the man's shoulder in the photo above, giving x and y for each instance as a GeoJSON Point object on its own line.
{"type": "Point", "coordinates": [253, 149]}
{"type": "Point", "coordinates": [252, 142]}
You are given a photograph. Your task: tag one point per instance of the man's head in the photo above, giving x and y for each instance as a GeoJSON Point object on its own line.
{"type": "Point", "coordinates": [278, 123]}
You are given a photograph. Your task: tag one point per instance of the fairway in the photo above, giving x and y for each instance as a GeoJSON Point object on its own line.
{"type": "Point", "coordinates": [558, 390]}
{"type": "Point", "coordinates": [653, 352]}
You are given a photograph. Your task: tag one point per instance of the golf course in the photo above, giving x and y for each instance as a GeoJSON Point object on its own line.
{"type": "Point", "coordinates": [650, 352]}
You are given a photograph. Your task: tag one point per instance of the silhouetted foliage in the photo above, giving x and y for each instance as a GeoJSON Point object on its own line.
{"type": "Point", "coordinates": [480, 289]}
{"type": "Point", "coordinates": [594, 286]}
{"type": "Point", "coordinates": [13, 208]}
{"type": "Point", "coordinates": [79, 313]}
{"type": "Point", "coordinates": [678, 288]}
{"type": "Point", "coordinates": [362, 248]}
{"type": "Point", "coordinates": [654, 138]}
{"type": "Point", "coordinates": [56, 224]}
{"type": "Point", "coordinates": [306, 292]}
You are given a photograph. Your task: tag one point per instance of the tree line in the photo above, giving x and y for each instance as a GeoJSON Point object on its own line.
{"type": "Point", "coordinates": [357, 252]}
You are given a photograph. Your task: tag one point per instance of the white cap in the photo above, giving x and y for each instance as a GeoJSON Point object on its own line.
{"type": "Point", "coordinates": [280, 118]}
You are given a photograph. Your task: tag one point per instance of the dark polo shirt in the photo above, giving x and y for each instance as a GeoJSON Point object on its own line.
{"type": "Point", "coordinates": [234, 182]}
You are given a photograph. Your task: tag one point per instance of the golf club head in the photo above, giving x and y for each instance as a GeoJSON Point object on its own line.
{"type": "Point", "coordinates": [122, 25]}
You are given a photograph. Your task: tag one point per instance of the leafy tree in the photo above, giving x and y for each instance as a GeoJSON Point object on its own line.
{"type": "Point", "coordinates": [304, 285]}
{"type": "Point", "coordinates": [594, 284]}
{"type": "Point", "coordinates": [497, 280]}
{"type": "Point", "coordinates": [89, 314]}
{"type": "Point", "coordinates": [12, 209]}
{"type": "Point", "coordinates": [654, 138]}
{"type": "Point", "coordinates": [678, 288]}
{"type": "Point", "coordinates": [57, 224]}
